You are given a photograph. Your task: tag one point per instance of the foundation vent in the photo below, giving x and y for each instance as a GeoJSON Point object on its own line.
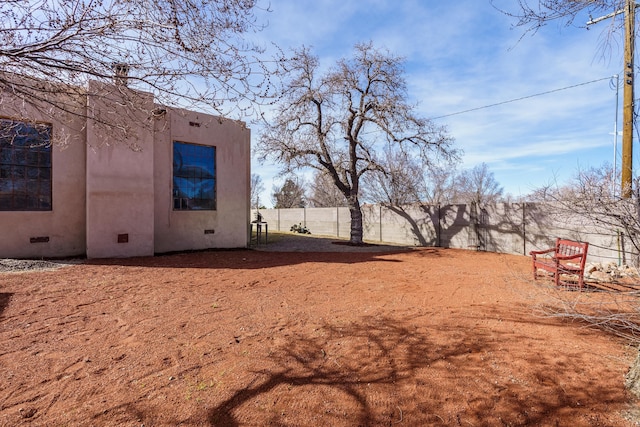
{"type": "Point", "coordinates": [39, 239]}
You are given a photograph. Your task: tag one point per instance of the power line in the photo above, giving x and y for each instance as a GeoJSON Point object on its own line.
{"type": "Point", "coordinates": [522, 98]}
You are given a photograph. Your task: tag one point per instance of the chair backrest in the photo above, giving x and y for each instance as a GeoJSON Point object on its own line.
{"type": "Point", "coordinates": [570, 247]}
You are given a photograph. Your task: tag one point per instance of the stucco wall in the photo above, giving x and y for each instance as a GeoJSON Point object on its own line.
{"type": "Point", "coordinates": [225, 227]}
{"type": "Point", "coordinates": [119, 179]}
{"type": "Point", "coordinates": [64, 225]}
{"type": "Point", "coordinates": [112, 185]}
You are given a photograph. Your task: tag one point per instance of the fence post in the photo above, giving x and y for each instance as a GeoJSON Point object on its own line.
{"type": "Point", "coordinates": [524, 228]}
{"type": "Point", "coordinates": [439, 229]}
{"type": "Point", "coordinates": [380, 221]}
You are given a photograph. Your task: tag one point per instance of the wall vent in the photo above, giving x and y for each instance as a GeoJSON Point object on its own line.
{"type": "Point", "coordinates": [39, 239]}
{"type": "Point", "coordinates": [211, 231]}
{"type": "Point", "coordinates": [123, 238]}
{"type": "Point", "coordinates": [194, 124]}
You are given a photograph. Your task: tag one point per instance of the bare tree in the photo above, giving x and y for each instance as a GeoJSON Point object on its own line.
{"type": "Point", "coordinates": [257, 187]}
{"type": "Point", "coordinates": [289, 195]}
{"type": "Point", "coordinates": [401, 183]}
{"type": "Point", "coordinates": [409, 180]}
{"type": "Point", "coordinates": [440, 183]}
{"type": "Point", "coordinates": [479, 186]}
{"type": "Point", "coordinates": [406, 180]}
{"type": "Point", "coordinates": [184, 52]}
{"type": "Point", "coordinates": [592, 198]}
{"type": "Point", "coordinates": [323, 193]}
{"type": "Point", "coordinates": [340, 120]}
{"type": "Point", "coordinates": [532, 15]}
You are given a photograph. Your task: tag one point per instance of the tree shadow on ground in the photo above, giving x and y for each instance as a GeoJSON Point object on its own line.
{"type": "Point", "coordinates": [386, 370]}
{"type": "Point", "coordinates": [5, 297]}
{"type": "Point", "coordinates": [249, 259]}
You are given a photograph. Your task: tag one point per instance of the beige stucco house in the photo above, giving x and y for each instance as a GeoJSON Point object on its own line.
{"type": "Point", "coordinates": [171, 180]}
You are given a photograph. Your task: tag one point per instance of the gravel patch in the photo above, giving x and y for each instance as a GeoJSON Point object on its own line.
{"type": "Point", "coordinates": [8, 265]}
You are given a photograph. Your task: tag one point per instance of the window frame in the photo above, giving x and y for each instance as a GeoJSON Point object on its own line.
{"type": "Point", "coordinates": [194, 176]}
{"type": "Point", "coordinates": [28, 163]}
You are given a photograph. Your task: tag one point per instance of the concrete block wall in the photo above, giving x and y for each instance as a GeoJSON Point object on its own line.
{"type": "Point", "coordinates": [515, 228]}
{"type": "Point", "coordinates": [323, 220]}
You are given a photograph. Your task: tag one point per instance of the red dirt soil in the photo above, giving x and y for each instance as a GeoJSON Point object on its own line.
{"type": "Point", "coordinates": [425, 337]}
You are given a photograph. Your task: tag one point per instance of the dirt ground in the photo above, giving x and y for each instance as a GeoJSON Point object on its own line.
{"type": "Point", "coordinates": [372, 336]}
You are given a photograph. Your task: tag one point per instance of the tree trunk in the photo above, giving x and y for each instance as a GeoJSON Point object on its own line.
{"type": "Point", "coordinates": [356, 221]}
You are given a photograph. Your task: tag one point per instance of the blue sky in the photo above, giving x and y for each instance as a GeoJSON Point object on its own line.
{"type": "Point", "coordinates": [465, 54]}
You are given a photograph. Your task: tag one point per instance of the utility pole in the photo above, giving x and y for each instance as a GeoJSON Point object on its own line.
{"type": "Point", "coordinates": [626, 170]}
{"type": "Point", "coordinates": [614, 181]}
{"type": "Point", "coordinates": [628, 104]}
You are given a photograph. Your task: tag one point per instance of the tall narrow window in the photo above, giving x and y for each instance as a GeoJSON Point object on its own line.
{"type": "Point", "coordinates": [25, 166]}
{"type": "Point", "coordinates": [194, 177]}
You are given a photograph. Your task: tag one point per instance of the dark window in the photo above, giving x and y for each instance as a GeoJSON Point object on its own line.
{"type": "Point", "coordinates": [25, 166]}
{"type": "Point", "coordinates": [194, 177]}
